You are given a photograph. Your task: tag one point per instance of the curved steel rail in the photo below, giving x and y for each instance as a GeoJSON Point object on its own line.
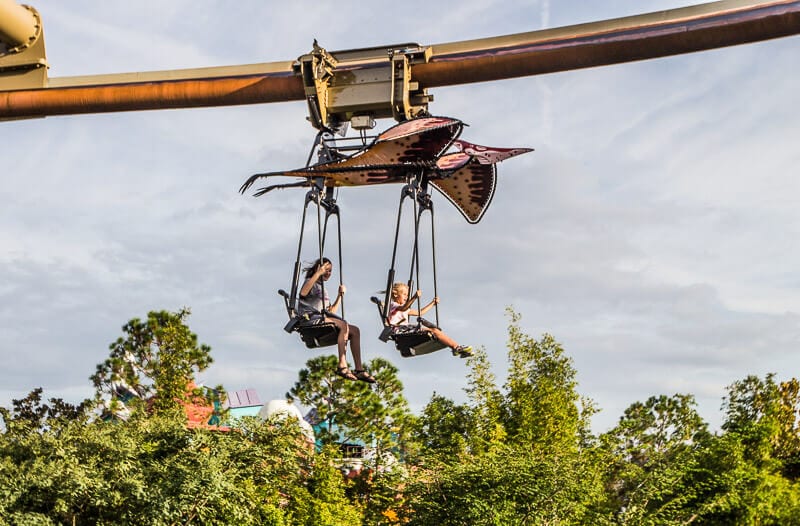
{"type": "Point", "coordinates": [652, 35]}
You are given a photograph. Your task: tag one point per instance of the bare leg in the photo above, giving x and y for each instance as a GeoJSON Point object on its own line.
{"type": "Point", "coordinates": [355, 345]}
{"type": "Point", "coordinates": [445, 339]}
{"type": "Point", "coordinates": [342, 341]}
{"type": "Point", "coordinates": [355, 349]}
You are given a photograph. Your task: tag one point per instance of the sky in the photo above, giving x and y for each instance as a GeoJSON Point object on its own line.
{"type": "Point", "coordinates": [650, 232]}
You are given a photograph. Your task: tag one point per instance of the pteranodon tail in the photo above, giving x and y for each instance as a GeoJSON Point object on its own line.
{"type": "Point", "coordinates": [470, 189]}
{"type": "Point", "coordinates": [471, 186]}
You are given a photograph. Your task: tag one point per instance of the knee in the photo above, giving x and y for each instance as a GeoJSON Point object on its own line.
{"type": "Point", "coordinates": [354, 330]}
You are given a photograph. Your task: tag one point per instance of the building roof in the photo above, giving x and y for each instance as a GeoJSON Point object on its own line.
{"type": "Point", "coordinates": [242, 398]}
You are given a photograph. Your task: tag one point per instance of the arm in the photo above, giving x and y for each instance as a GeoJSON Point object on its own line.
{"type": "Point", "coordinates": [424, 309]}
{"type": "Point", "coordinates": [306, 288]}
{"type": "Point", "coordinates": [335, 305]}
{"type": "Point", "coordinates": [428, 307]}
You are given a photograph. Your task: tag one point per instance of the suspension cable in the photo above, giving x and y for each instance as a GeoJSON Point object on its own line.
{"type": "Point", "coordinates": [412, 189]}
{"type": "Point", "coordinates": [390, 277]}
{"type": "Point", "coordinates": [320, 240]}
{"type": "Point", "coordinates": [433, 252]}
{"type": "Point", "coordinates": [331, 208]}
{"type": "Point", "coordinates": [341, 262]}
{"type": "Point", "coordinates": [415, 251]}
{"type": "Point", "coordinates": [296, 274]}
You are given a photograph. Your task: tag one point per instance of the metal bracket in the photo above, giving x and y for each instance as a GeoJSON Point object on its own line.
{"type": "Point", "coordinates": [24, 66]}
{"type": "Point", "coordinates": [317, 68]}
{"type": "Point", "coordinates": [365, 84]}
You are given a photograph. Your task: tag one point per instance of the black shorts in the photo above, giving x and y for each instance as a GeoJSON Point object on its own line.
{"type": "Point", "coordinates": [309, 320]}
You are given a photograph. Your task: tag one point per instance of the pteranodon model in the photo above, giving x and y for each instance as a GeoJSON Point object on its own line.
{"type": "Point", "coordinates": [414, 148]}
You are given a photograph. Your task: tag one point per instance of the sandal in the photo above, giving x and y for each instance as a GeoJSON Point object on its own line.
{"type": "Point", "coordinates": [364, 376]}
{"type": "Point", "coordinates": [462, 351]}
{"type": "Point", "coordinates": [346, 373]}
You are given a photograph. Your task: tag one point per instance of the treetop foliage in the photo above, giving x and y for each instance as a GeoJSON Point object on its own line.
{"type": "Point", "coordinates": [520, 453]}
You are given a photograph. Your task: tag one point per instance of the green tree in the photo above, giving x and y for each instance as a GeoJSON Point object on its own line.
{"type": "Point", "coordinates": [444, 427]}
{"type": "Point", "coordinates": [378, 415]}
{"type": "Point", "coordinates": [324, 501]}
{"type": "Point", "coordinates": [487, 405]}
{"type": "Point", "coordinates": [729, 488]}
{"type": "Point", "coordinates": [665, 468]}
{"type": "Point", "coordinates": [507, 486]}
{"type": "Point", "coordinates": [652, 470]}
{"type": "Point", "coordinates": [749, 472]}
{"type": "Point", "coordinates": [152, 470]}
{"type": "Point", "coordinates": [32, 415]}
{"type": "Point", "coordinates": [543, 408]}
{"type": "Point", "coordinates": [766, 414]}
{"type": "Point", "coordinates": [58, 465]}
{"type": "Point", "coordinates": [528, 459]}
{"type": "Point", "coordinates": [156, 359]}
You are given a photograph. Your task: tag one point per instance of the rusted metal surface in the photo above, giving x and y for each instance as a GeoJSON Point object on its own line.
{"type": "Point", "coordinates": [652, 35]}
{"type": "Point", "coordinates": [152, 95]}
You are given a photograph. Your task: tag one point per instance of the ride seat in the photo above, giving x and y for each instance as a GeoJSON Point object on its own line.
{"type": "Point", "coordinates": [410, 343]}
{"type": "Point", "coordinates": [314, 336]}
{"type": "Point", "coordinates": [320, 335]}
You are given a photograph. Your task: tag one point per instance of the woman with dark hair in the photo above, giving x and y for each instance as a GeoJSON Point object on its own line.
{"type": "Point", "coordinates": [316, 306]}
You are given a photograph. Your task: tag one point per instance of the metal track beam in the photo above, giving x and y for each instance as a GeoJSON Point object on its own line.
{"type": "Point", "coordinates": [660, 34]}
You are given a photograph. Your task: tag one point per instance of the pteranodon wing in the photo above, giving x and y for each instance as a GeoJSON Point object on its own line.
{"type": "Point", "coordinates": [335, 175]}
{"type": "Point", "coordinates": [410, 145]}
{"type": "Point", "coordinates": [421, 138]}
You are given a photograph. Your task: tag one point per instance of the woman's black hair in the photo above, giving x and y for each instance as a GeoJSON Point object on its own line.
{"type": "Point", "coordinates": [314, 266]}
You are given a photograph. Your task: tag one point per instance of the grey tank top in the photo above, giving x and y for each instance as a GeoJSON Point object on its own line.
{"type": "Point", "coordinates": [313, 303]}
